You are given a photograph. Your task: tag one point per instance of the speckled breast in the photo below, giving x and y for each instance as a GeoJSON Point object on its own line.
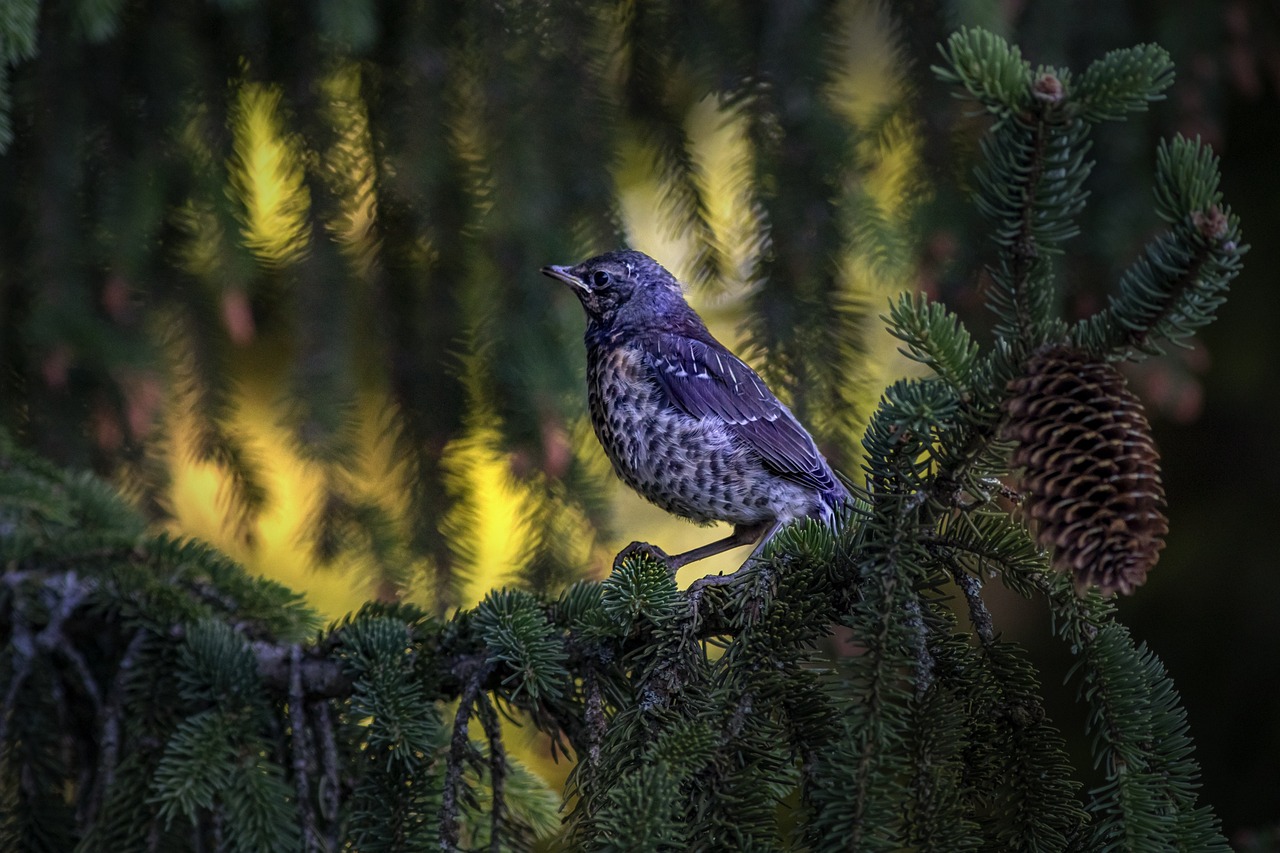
{"type": "Point", "coordinates": [690, 467]}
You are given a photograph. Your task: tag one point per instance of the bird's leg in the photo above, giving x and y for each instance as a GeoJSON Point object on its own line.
{"type": "Point", "coordinates": [743, 534]}
{"type": "Point", "coordinates": [764, 532]}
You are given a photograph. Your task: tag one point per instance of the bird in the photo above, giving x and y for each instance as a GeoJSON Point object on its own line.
{"type": "Point", "coordinates": [686, 423]}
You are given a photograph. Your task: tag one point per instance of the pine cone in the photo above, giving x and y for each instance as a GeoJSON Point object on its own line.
{"type": "Point", "coordinates": [1089, 467]}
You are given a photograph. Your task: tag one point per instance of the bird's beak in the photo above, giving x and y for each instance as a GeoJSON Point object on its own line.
{"type": "Point", "coordinates": [563, 274]}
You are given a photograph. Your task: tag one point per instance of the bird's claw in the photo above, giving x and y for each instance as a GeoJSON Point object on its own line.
{"type": "Point", "coordinates": [653, 552]}
{"type": "Point", "coordinates": [712, 580]}
{"type": "Point", "coordinates": [698, 587]}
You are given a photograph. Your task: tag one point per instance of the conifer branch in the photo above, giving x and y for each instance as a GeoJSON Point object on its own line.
{"type": "Point", "coordinates": [1182, 277]}
{"type": "Point", "coordinates": [978, 613]}
{"type": "Point", "coordinates": [497, 768]}
{"type": "Point", "coordinates": [286, 667]}
{"type": "Point", "coordinates": [459, 750]}
{"type": "Point", "coordinates": [1023, 248]}
{"type": "Point", "coordinates": [112, 711]}
{"type": "Point", "coordinates": [302, 757]}
{"type": "Point", "coordinates": [329, 789]}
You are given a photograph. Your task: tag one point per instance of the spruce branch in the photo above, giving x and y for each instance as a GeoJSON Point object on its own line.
{"type": "Point", "coordinates": [497, 769]}
{"type": "Point", "coordinates": [939, 816]}
{"type": "Point", "coordinates": [889, 571]}
{"type": "Point", "coordinates": [1181, 279]}
{"type": "Point", "coordinates": [1030, 188]}
{"type": "Point", "coordinates": [516, 632]}
{"type": "Point", "coordinates": [460, 750]}
{"type": "Point", "coordinates": [322, 675]}
{"type": "Point", "coordinates": [1139, 732]}
{"type": "Point", "coordinates": [1122, 82]}
{"type": "Point", "coordinates": [318, 677]}
{"type": "Point", "coordinates": [1140, 739]}
{"type": "Point", "coordinates": [302, 752]}
{"type": "Point", "coordinates": [110, 725]}
{"type": "Point", "coordinates": [989, 68]}
{"type": "Point", "coordinates": [934, 337]}
{"type": "Point", "coordinates": [979, 616]}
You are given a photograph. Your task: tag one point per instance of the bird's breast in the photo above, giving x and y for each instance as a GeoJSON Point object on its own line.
{"type": "Point", "coordinates": [625, 404]}
{"type": "Point", "coordinates": [694, 467]}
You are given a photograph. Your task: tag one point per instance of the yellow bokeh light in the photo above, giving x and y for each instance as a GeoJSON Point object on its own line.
{"type": "Point", "coordinates": [278, 547]}
{"type": "Point", "coordinates": [489, 523]}
{"type": "Point", "coordinates": [267, 177]}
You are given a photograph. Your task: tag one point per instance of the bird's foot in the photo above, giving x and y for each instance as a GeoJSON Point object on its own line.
{"type": "Point", "coordinates": [644, 549]}
{"type": "Point", "coordinates": [698, 587]}
{"type": "Point", "coordinates": [714, 580]}
{"type": "Point", "coordinates": [753, 577]}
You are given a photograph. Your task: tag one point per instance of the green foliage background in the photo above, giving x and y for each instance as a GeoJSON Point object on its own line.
{"type": "Point", "coordinates": [499, 134]}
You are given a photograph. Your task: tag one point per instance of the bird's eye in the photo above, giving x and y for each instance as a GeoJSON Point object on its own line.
{"type": "Point", "coordinates": [600, 278]}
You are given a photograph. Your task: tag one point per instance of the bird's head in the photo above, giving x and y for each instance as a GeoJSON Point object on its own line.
{"type": "Point", "coordinates": [623, 290]}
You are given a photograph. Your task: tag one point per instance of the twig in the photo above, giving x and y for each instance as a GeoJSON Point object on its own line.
{"type": "Point", "coordinates": [303, 760]}
{"type": "Point", "coordinates": [978, 613]}
{"type": "Point", "coordinates": [24, 649]}
{"type": "Point", "coordinates": [497, 768]}
{"type": "Point", "coordinates": [595, 717]}
{"type": "Point", "coordinates": [920, 639]}
{"type": "Point", "coordinates": [320, 677]}
{"type": "Point", "coordinates": [109, 714]}
{"type": "Point", "coordinates": [329, 793]}
{"type": "Point", "coordinates": [458, 745]}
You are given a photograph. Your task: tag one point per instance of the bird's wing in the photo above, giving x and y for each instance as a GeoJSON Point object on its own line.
{"type": "Point", "coordinates": [706, 380]}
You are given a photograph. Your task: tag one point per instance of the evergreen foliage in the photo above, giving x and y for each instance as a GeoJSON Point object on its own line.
{"type": "Point", "coordinates": [197, 708]}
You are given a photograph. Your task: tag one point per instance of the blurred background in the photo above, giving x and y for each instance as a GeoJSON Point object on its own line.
{"type": "Point", "coordinates": [271, 268]}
